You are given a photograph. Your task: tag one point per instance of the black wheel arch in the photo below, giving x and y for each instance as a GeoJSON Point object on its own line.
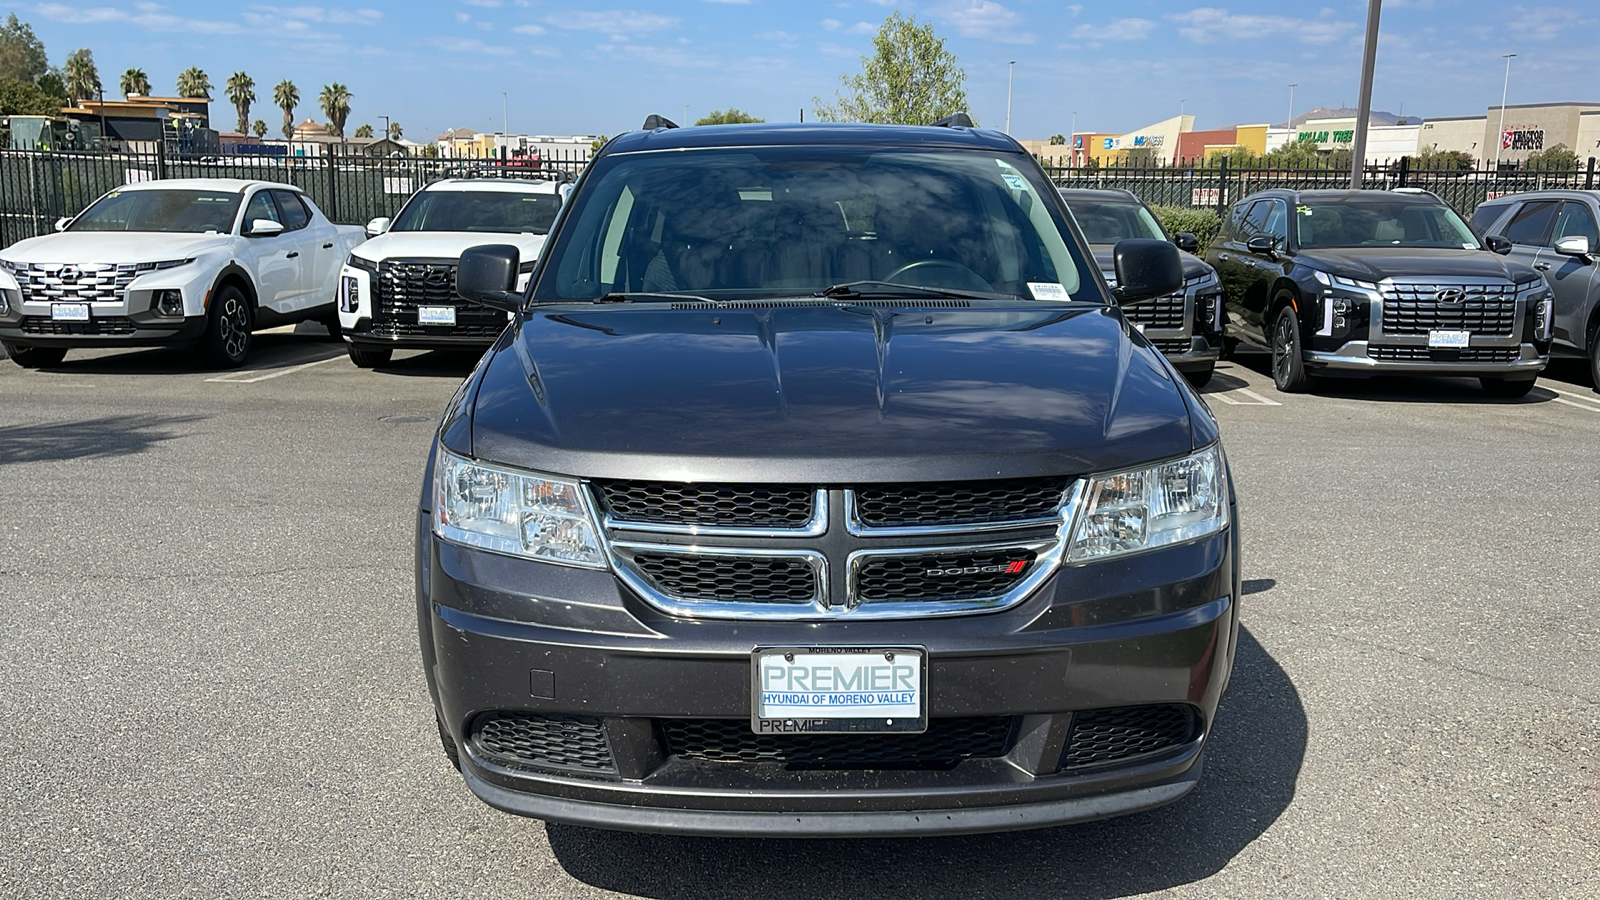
{"type": "Point", "coordinates": [239, 276]}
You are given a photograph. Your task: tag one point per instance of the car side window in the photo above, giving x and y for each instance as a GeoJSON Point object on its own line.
{"type": "Point", "coordinates": [1277, 223]}
{"type": "Point", "coordinates": [1577, 220]}
{"type": "Point", "coordinates": [1485, 216]}
{"type": "Point", "coordinates": [260, 207]}
{"type": "Point", "coordinates": [1236, 221]}
{"type": "Point", "coordinates": [1255, 221]}
{"type": "Point", "coordinates": [1531, 225]}
{"type": "Point", "coordinates": [294, 212]}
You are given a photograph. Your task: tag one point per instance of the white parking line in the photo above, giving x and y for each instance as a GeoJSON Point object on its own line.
{"type": "Point", "coordinates": [1585, 398]}
{"type": "Point", "coordinates": [1593, 409]}
{"type": "Point", "coordinates": [1255, 398]}
{"type": "Point", "coordinates": [274, 373]}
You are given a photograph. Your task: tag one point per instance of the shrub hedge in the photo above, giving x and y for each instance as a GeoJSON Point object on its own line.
{"type": "Point", "coordinates": [1203, 223]}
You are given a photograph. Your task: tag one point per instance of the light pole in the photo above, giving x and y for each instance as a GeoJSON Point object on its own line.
{"type": "Point", "coordinates": [1289, 125]}
{"type": "Point", "coordinates": [1072, 138]}
{"type": "Point", "coordinates": [505, 122]}
{"type": "Point", "coordinates": [1369, 60]}
{"type": "Point", "coordinates": [1011, 72]}
{"type": "Point", "coordinates": [1500, 138]}
{"type": "Point", "coordinates": [1180, 107]}
{"type": "Point", "coordinates": [385, 127]}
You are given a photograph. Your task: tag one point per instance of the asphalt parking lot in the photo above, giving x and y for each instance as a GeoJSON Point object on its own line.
{"type": "Point", "coordinates": [212, 689]}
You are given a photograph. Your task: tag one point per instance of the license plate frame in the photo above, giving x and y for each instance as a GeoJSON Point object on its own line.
{"type": "Point", "coordinates": [837, 713]}
{"type": "Point", "coordinates": [436, 315]}
{"type": "Point", "coordinates": [1449, 340]}
{"type": "Point", "coordinates": [69, 312]}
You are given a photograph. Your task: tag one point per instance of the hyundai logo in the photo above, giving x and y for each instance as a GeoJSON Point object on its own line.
{"type": "Point", "coordinates": [1450, 295]}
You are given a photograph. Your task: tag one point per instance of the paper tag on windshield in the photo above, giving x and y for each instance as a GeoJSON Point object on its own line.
{"type": "Point", "coordinates": [1048, 290]}
{"type": "Point", "coordinates": [1016, 182]}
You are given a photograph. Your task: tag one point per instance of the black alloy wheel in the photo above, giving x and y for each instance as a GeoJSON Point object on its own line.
{"type": "Point", "coordinates": [1594, 355]}
{"type": "Point", "coordinates": [1288, 366]}
{"type": "Point", "coordinates": [35, 357]}
{"type": "Point", "coordinates": [227, 339]}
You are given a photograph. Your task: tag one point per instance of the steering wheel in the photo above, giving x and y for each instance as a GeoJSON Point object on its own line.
{"type": "Point", "coordinates": [945, 274]}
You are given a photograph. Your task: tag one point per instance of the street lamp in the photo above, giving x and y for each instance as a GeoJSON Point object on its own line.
{"type": "Point", "coordinates": [385, 127]}
{"type": "Point", "coordinates": [1500, 139]}
{"type": "Point", "coordinates": [1011, 71]}
{"type": "Point", "coordinates": [1289, 125]}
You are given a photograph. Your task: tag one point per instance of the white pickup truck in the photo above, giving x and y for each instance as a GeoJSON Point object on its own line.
{"type": "Point", "coordinates": [202, 261]}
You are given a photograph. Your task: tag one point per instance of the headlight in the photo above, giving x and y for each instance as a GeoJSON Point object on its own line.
{"type": "Point", "coordinates": [1141, 509]}
{"type": "Point", "coordinates": [517, 513]}
{"type": "Point", "coordinates": [162, 264]}
{"type": "Point", "coordinates": [357, 262]}
{"type": "Point", "coordinates": [349, 294]}
{"type": "Point", "coordinates": [1206, 279]}
{"type": "Point", "coordinates": [1539, 301]}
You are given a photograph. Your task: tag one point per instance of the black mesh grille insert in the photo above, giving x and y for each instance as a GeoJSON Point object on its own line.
{"type": "Point", "coordinates": [544, 741]}
{"type": "Point", "coordinates": [759, 579]}
{"type": "Point", "coordinates": [727, 505]}
{"type": "Point", "coordinates": [945, 743]}
{"type": "Point", "coordinates": [958, 502]}
{"type": "Point", "coordinates": [943, 576]}
{"type": "Point", "coordinates": [1467, 354]}
{"type": "Point", "coordinates": [1122, 732]}
{"type": "Point", "coordinates": [99, 325]}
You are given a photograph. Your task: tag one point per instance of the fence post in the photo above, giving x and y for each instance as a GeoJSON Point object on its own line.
{"type": "Point", "coordinates": [1222, 187]}
{"type": "Point", "coordinates": [332, 211]}
{"type": "Point", "coordinates": [1588, 177]}
{"type": "Point", "coordinates": [161, 159]}
{"type": "Point", "coordinates": [1405, 169]}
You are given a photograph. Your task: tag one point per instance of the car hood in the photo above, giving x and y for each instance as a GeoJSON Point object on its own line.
{"type": "Point", "coordinates": [825, 394]}
{"type": "Point", "coordinates": [1378, 263]}
{"type": "Point", "coordinates": [1193, 266]}
{"type": "Point", "coordinates": [113, 247]}
{"type": "Point", "coordinates": [444, 244]}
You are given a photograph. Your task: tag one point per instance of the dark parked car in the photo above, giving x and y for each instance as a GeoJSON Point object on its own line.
{"type": "Point", "coordinates": [1341, 282]}
{"type": "Point", "coordinates": [1186, 325]}
{"type": "Point", "coordinates": [819, 487]}
{"type": "Point", "coordinates": [1555, 232]}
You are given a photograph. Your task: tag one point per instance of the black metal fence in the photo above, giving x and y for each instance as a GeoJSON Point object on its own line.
{"type": "Point", "coordinates": [1219, 185]}
{"type": "Point", "coordinates": [39, 187]}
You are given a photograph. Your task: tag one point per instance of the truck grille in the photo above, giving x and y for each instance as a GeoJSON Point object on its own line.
{"type": "Point", "coordinates": [945, 744]}
{"type": "Point", "coordinates": [543, 741]}
{"type": "Point", "coordinates": [75, 282]}
{"type": "Point", "coordinates": [402, 285]}
{"type": "Point", "coordinates": [44, 325]}
{"type": "Point", "coordinates": [1164, 313]}
{"type": "Point", "coordinates": [1124, 732]}
{"type": "Point", "coordinates": [749, 579]}
{"type": "Point", "coordinates": [1424, 354]}
{"type": "Point", "coordinates": [940, 576]}
{"type": "Point", "coordinates": [957, 502]}
{"type": "Point", "coordinates": [782, 507]}
{"type": "Point", "coordinates": [1488, 309]}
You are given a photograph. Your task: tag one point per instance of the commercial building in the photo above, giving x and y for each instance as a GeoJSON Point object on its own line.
{"type": "Point", "coordinates": [1528, 129]}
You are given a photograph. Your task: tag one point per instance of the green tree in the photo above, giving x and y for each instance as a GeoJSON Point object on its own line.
{"type": "Point", "coordinates": [597, 143]}
{"type": "Point", "coordinates": [1436, 160]}
{"type": "Point", "coordinates": [81, 76]}
{"type": "Point", "coordinates": [395, 131]}
{"type": "Point", "coordinates": [241, 93]}
{"type": "Point", "coordinates": [730, 116]}
{"type": "Point", "coordinates": [23, 98]}
{"type": "Point", "coordinates": [1294, 154]}
{"type": "Point", "coordinates": [286, 97]}
{"type": "Point", "coordinates": [429, 151]}
{"type": "Point", "coordinates": [1142, 157]}
{"type": "Point", "coordinates": [193, 82]}
{"type": "Point", "coordinates": [1237, 157]}
{"type": "Point", "coordinates": [53, 85]}
{"type": "Point", "coordinates": [335, 103]}
{"type": "Point", "coordinates": [365, 131]}
{"type": "Point", "coordinates": [22, 55]}
{"type": "Point", "coordinates": [259, 129]}
{"type": "Point", "coordinates": [910, 79]}
{"type": "Point", "coordinates": [1056, 140]}
{"type": "Point", "coordinates": [134, 81]}
{"type": "Point", "coordinates": [1552, 158]}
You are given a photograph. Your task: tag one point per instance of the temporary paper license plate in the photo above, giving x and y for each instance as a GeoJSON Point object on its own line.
{"type": "Point", "coordinates": [436, 315]}
{"type": "Point", "coordinates": [69, 312]}
{"type": "Point", "coordinates": [1449, 338]}
{"type": "Point", "coordinates": [838, 689]}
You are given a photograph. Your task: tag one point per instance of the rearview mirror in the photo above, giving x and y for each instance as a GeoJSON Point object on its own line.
{"type": "Point", "coordinates": [378, 226]}
{"type": "Point", "coordinates": [1498, 244]}
{"type": "Point", "coordinates": [1263, 243]}
{"type": "Point", "coordinates": [488, 277]}
{"type": "Point", "coordinates": [1186, 242]}
{"type": "Point", "coordinates": [63, 222]}
{"type": "Point", "coordinates": [1575, 245]}
{"type": "Point", "coordinates": [264, 228]}
{"type": "Point", "coordinates": [1146, 269]}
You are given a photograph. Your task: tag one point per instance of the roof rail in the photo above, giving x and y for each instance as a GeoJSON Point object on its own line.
{"type": "Point", "coordinates": [653, 121]}
{"type": "Point", "coordinates": [959, 120]}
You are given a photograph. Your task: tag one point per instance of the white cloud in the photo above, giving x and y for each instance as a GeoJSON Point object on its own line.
{"type": "Point", "coordinates": [733, 2]}
{"type": "Point", "coordinates": [1075, 8]}
{"type": "Point", "coordinates": [324, 15]}
{"type": "Point", "coordinates": [470, 45]}
{"type": "Point", "coordinates": [982, 19]}
{"type": "Point", "coordinates": [1116, 30]}
{"type": "Point", "coordinates": [614, 22]}
{"type": "Point", "coordinates": [780, 36]}
{"type": "Point", "coordinates": [863, 28]}
{"type": "Point", "coordinates": [831, 24]}
{"type": "Point", "coordinates": [486, 4]}
{"type": "Point", "coordinates": [529, 29]}
{"type": "Point", "coordinates": [147, 16]}
{"type": "Point", "coordinates": [1210, 23]}
{"type": "Point", "coordinates": [1545, 23]}
{"type": "Point", "coordinates": [463, 18]}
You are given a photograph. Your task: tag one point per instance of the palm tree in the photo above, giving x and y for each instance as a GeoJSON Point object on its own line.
{"type": "Point", "coordinates": [134, 81]}
{"type": "Point", "coordinates": [80, 74]}
{"type": "Point", "coordinates": [260, 129]}
{"type": "Point", "coordinates": [286, 97]}
{"type": "Point", "coordinates": [365, 131]}
{"type": "Point", "coordinates": [193, 82]}
{"type": "Point", "coordinates": [395, 131]}
{"type": "Point", "coordinates": [242, 93]}
{"type": "Point", "coordinates": [335, 102]}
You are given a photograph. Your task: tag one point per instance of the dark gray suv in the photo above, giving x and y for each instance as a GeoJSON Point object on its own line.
{"type": "Point", "coordinates": [819, 487]}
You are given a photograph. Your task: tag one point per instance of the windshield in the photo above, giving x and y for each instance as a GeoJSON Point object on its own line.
{"type": "Point", "coordinates": [1385, 222]}
{"type": "Point", "coordinates": [502, 212]}
{"type": "Point", "coordinates": [1107, 223]}
{"type": "Point", "coordinates": [173, 211]}
{"type": "Point", "coordinates": [787, 221]}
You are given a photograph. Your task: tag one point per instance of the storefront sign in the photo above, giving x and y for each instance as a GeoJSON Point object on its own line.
{"type": "Point", "coordinates": [1521, 137]}
{"type": "Point", "coordinates": [1324, 137]}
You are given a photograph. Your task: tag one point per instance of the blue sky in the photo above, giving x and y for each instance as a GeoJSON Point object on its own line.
{"type": "Point", "coordinates": [600, 68]}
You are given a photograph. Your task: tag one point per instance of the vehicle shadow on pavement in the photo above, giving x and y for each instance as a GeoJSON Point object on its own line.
{"type": "Point", "coordinates": [1252, 765]}
{"type": "Point", "coordinates": [1393, 388]}
{"type": "Point", "coordinates": [1574, 372]}
{"type": "Point", "coordinates": [267, 351]}
{"type": "Point", "coordinates": [88, 439]}
{"type": "Point", "coordinates": [433, 364]}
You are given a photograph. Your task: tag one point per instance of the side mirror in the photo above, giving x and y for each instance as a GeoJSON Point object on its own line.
{"type": "Point", "coordinates": [1264, 244]}
{"type": "Point", "coordinates": [1186, 242]}
{"type": "Point", "coordinates": [487, 276]}
{"type": "Point", "coordinates": [1498, 244]}
{"type": "Point", "coordinates": [264, 228]}
{"type": "Point", "coordinates": [378, 226]}
{"type": "Point", "coordinates": [63, 222]}
{"type": "Point", "coordinates": [1146, 269]}
{"type": "Point", "coordinates": [1575, 245]}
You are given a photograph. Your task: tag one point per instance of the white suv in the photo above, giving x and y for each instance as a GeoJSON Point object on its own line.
{"type": "Point", "coordinates": [187, 261]}
{"type": "Point", "coordinates": [399, 288]}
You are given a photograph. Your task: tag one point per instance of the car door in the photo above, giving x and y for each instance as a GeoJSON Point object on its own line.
{"type": "Point", "coordinates": [1573, 278]}
{"type": "Point", "coordinates": [1257, 269]}
{"type": "Point", "coordinates": [268, 257]}
{"type": "Point", "coordinates": [1529, 228]}
{"type": "Point", "coordinates": [1236, 268]}
{"type": "Point", "coordinates": [304, 241]}
{"type": "Point", "coordinates": [331, 248]}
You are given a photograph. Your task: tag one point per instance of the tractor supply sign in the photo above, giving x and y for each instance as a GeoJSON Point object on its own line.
{"type": "Point", "coordinates": [1522, 138]}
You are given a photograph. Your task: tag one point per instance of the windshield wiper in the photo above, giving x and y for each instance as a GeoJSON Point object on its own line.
{"type": "Point", "coordinates": [631, 296]}
{"type": "Point", "coordinates": [868, 289]}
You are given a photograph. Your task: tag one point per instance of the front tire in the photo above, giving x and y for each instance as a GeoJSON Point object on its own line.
{"type": "Point", "coordinates": [1288, 363]}
{"type": "Point", "coordinates": [449, 744]}
{"type": "Point", "coordinates": [1594, 357]}
{"type": "Point", "coordinates": [35, 357]}
{"type": "Point", "coordinates": [227, 339]}
{"type": "Point", "coordinates": [1199, 378]}
{"type": "Point", "coordinates": [1505, 389]}
{"type": "Point", "coordinates": [369, 359]}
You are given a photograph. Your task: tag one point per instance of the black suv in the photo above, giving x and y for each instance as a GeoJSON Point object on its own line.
{"type": "Point", "coordinates": [819, 487]}
{"type": "Point", "coordinates": [1344, 282]}
{"type": "Point", "coordinates": [1186, 325]}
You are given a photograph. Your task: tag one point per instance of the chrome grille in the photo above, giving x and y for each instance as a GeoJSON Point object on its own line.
{"type": "Point", "coordinates": [960, 575]}
{"type": "Point", "coordinates": [1487, 309]}
{"type": "Point", "coordinates": [76, 282]}
{"type": "Point", "coordinates": [402, 285]}
{"type": "Point", "coordinates": [44, 325]}
{"type": "Point", "coordinates": [1424, 354]}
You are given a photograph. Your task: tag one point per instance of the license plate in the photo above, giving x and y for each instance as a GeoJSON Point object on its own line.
{"type": "Point", "coordinates": [1449, 338]}
{"type": "Point", "coordinates": [834, 690]}
{"type": "Point", "coordinates": [69, 312]}
{"type": "Point", "coordinates": [436, 315]}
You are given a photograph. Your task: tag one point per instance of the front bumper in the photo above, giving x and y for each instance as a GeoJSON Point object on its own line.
{"type": "Point", "coordinates": [138, 330]}
{"type": "Point", "coordinates": [503, 635]}
{"type": "Point", "coordinates": [1196, 353]}
{"type": "Point", "coordinates": [361, 333]}
{"type": "Point", "coordinates": [1357, 357]}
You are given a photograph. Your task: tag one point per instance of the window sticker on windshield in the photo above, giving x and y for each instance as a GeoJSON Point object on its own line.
{"type": "Point", "coordinates": [755, 194]}
{"type": "Point", "coordinates": [1016, 182]}
{"type": "Point", "coordinates": [1048, 290]}
{"type": "Point", "coordinates": [1303, 210]}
